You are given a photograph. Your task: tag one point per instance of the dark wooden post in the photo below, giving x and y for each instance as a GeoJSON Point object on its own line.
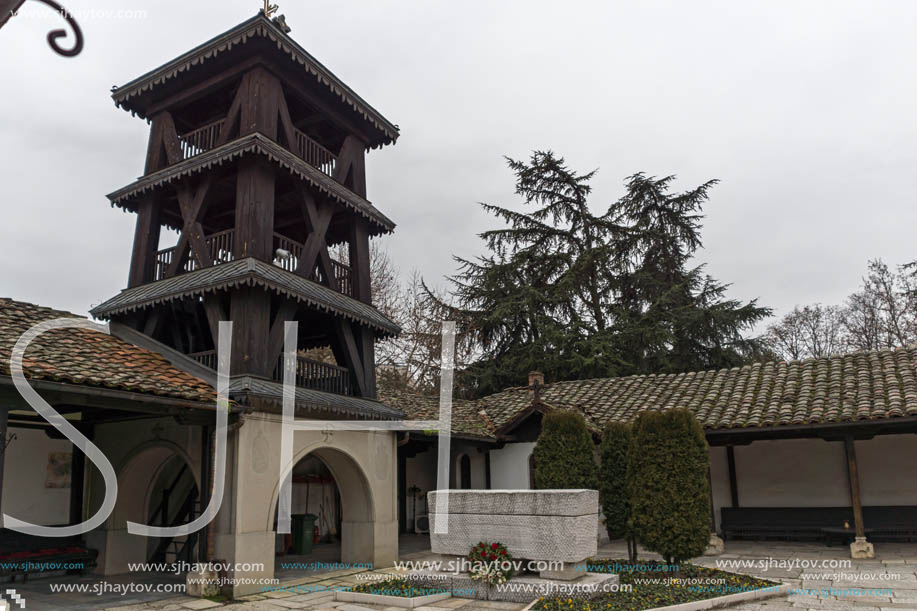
{"type": "Point", "coordinates": [77, 480]}
{"type": "Point", "coordinates": [360, 260]}
{"type": "Point", "coordinates": [710, 493]}
{"type": "Point", "coordinates": [362, 290]}
{"type": "Point", "coordinates": [146, 242]}
{"type": "Point", "coordinates": [733, 485]}
{"type": "Point", "coordinates": [254, 228]}
{"type": "Point", "coordinates": [4, 419]}
{"type": "Point", "coordinates": [204, 492]}
{"type": "Point", "coordinates": [853, 477]}
{"type": "Point", "coordinates": [260, 103]}
{"type": "Point", "coordinates": [250, 310]}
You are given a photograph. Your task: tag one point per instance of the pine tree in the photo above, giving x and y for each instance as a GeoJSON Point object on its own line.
{"type": "Point", "coordinates": [540, 299]}
{"type": "Point", "coordinates": [671, 317]}
{"type": "Point", "coordinates": [578, 294]}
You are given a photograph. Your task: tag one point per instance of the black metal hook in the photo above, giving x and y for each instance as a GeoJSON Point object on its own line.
{"type": "Point", "coordinates": [53, 35]}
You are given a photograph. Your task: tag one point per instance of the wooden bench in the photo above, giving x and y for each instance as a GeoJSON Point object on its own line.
{"type": "Point", "coordinates": [781, 522]}
{"type": "Point", "coordinates": [885, 523]}
{"type": "Point", "coordinates": [891, 522]}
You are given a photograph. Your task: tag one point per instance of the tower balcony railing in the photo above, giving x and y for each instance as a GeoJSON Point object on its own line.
{"type": "Point", "coordinates": [316, 375]}
{"type": "Point", "coordinates": [204, 138]}
{"type": "Point", "coordinates": [291, 263]}
{"type": "Point", "coordinates": [220, 248]}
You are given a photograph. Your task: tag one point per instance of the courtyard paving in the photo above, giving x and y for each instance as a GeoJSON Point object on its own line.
{"type": "Point", "coordinates": [895, 568]}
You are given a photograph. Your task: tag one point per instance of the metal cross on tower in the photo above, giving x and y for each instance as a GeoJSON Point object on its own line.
{"type": "Point", "coordinates": [269, 9]}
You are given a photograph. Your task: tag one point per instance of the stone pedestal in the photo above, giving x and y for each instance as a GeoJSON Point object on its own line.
{"type": "Point", "coordinates": [862, 549]}
{"type": "Point", "coordinates": [541, 525]}
{"type": "Point", "coordinates": [715, 546]}
{"type": "Point", "coordinates": [202, 583]}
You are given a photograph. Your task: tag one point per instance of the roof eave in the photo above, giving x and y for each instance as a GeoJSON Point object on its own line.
{"type": "Point", "coordinates": [258, 144]}
{"type": "Point", "coordinates": [258, 25]}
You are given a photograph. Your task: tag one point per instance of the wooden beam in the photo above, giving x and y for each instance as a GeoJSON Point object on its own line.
{"type": "Point", "coordinates": [215, 315]}
{"type": "Point", "coordinates": [202, 88]}
{"type": "Point", "coordinates": [733, 486]}
{"type": "Point", "coordinates": [72, 395]}
{"type": "Point", "coordinates": [328, 111]}
{"type": "Point", "coordinates": [360, 260]}
{"type": "Point", "coordinates": [146, 241]}
{"type": "Point", "coordinates": [4, 420]}
{"type": "Point", "coordinates": [254, 225]}
{"type": "Point", "coordinates": [250, 310]}
{"type": "Point", "coordinates": [191, 204]}
{"type": "Point", "coordinates": [710, 495]}
{"type": "Point", "coordinates": [152, 322]}
{"type": "Point", "coordinates": [317, 218]}
{"type": "Point", "coordinates": [853, 478]}
{"type": "Point", "coordinates": [260, 95]}
{"type": "Point", "coordinates": [203, 546]}
{"type": "Point", "coordinates": [285, 312]}
{"type": "Point", "coordinates": [351, 354]}
{"type": "Point", "coordinates": [366, 345]}
{"type": "Point", "coordinates": [77, 483]}
{"type": "Point", "coordinates": [350, 168]}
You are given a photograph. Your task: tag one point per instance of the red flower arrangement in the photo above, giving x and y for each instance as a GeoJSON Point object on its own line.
{"type": "Point", "coordinates": [491, 562]}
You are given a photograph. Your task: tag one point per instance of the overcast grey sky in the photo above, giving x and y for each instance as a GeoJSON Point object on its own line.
{"type": "Point", "coordinates": [804, 110]}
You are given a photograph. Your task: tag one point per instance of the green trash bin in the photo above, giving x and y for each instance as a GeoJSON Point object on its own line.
{"type": "Point", "coordinates": [303, 524]}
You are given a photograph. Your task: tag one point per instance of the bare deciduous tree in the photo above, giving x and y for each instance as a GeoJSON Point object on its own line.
{"type": "Point", "coordinates": [411, 361]}
{"type": "Point", "coordinates": [881, 314]}
{"type": "Point", "coordinates": [809, 331]}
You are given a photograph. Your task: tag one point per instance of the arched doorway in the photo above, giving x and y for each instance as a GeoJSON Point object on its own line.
{"type": "Point", "coordinates": [331, 489]}
{"type": "Point", "coordinates": [174, 499]}
{"type": "Point", "coordinates": [157, 485]}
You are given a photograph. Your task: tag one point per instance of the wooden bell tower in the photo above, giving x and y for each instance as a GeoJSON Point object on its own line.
{"type": "Point", "coordinates": [252, 208]}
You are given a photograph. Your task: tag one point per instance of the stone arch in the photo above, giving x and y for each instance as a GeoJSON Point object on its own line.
{"type": "Point", "coordinates": [358, 508]}
{"type": "Point", "coordinates": [137, 475]}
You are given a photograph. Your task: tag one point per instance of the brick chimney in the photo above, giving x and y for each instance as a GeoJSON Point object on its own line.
{"type": "Point", "coordinates": [536, 377]}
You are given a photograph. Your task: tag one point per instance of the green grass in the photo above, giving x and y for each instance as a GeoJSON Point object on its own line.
{"type": "Point", "coordinates": [649, 596]}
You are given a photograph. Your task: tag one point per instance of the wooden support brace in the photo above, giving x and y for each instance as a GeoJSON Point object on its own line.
{"type": "Point", "coordinates": [351, 353]}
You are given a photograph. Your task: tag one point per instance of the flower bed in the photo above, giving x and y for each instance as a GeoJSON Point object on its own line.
{"type": "Point", "coordinates": [395, 592]}
{"type": "Point", "coordinates": [394, 587]}
{"type": "Point", "coordinates": [653, 595]}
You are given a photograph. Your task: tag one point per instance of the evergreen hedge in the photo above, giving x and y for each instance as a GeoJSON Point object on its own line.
{"type": "Point", "coordinates": [564, 453]}
{"type": "Point", "coordinates": [667, 479]}
{"type": "Point", "coordinates": [612, 478]}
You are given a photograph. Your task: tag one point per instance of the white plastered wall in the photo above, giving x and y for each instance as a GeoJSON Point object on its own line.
{"type": "Point", "coordinates": [509, 466]}
{"type": "Point", "coordinates": [24, 476]}
{"type": "Point", "coordinates": [813, 473]}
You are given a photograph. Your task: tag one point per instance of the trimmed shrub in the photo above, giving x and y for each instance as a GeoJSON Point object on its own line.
{"type": "Point", "coordinates": [667, 479]}
{"type": "Point", "coordinates": [564, 453]}
{"type": "Point", "coordinates": [612, 478]}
